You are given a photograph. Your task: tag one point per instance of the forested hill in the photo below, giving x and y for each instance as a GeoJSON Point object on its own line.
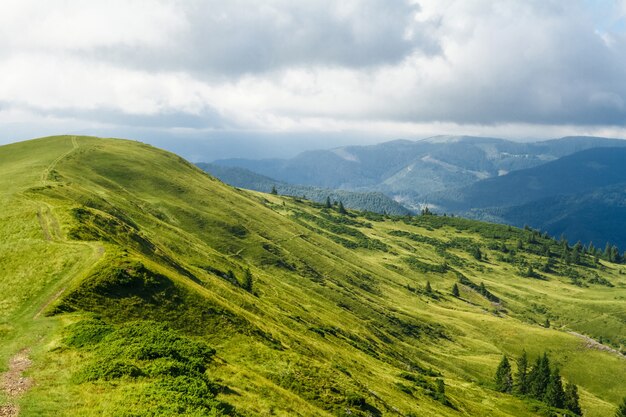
{"type": "Point", "coordinates": [133, 283]}
{"type": "Point", "coordinates": [368, 201]}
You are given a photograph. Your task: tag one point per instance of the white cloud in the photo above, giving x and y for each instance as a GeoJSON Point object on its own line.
{"type": "Point", "coordinates": [318, 65]}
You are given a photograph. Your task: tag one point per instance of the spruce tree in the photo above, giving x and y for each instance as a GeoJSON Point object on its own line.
{"type": "Point", "coordinates": [504, 379]}
{"type": "Point", "coordinates": [428, 289]}
{"type": "Point", "coordinates": [521, 377]}
{"type": "Point", "coordinates": [621, 411]}
{"type": "Point", "coordinates": [328, 204]}
{"type": "Point", "coordinates": [274, 190]}
{"type": "Point", "coordinates": [540, 377]}
{"type": "Point", "coordinates": [455, 290]}
{"type": "Point", "coordinates": [571, 399]}
{"type": "Point", "coordinates": [342, 209]}
{"type": "Point", "coordinates": [555, 396]}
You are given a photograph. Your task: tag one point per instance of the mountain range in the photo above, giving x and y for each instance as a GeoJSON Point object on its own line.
{"type": "Point", "coordinates": [548, 185]}
{"type": "Point", "coordinates": [376, 202]}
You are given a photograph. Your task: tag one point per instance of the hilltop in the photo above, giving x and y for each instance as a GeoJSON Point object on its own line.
{"type": "Point", "coordinates": [137, 284]}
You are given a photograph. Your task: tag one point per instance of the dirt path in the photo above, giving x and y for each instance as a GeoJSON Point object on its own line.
{"type": "Point", "coordinates": [594, 344]}
{"type": "Point", "coordinates": [46, 172]}
{"type": "Point", "coordinates": [14, 383]}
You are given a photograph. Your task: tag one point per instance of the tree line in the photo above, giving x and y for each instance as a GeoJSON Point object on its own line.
{"type": "Point", "coordinates": [539, 381]}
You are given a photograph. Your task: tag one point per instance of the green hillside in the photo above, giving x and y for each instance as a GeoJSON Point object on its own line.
{"type": "Point", "coordinates": [140, 286]}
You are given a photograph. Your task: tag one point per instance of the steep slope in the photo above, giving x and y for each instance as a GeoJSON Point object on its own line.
{"type": "Point", "coordinates": [414, 169]}
{"type": "Point", "coordinates": [368, 201]}
{"type": "Point", "coordinates": [142, 286]}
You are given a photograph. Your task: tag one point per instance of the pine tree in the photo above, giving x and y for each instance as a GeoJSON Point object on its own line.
{"type": "Point", "coordinates": [591, 249]}
{"type": "Point", "coordinates": [247, 281]}
{"type": "Point", "coordinates": [555, 396]}
{"type": "Point", "coordinates": [521, 377]}
{"type": "Point", "coordinates": [571, 399]}
{"type": "Point", "coordinates": [328, 204]}
{"type": "Point", "coordinates": [342, 209]}
{"type": "Point", "coordinates": [455, 290]}
{"type": "Point", "coordinates": [504, 379]}
{"type": "Point", "coordinates": [274, 190]}
{"type": "Point", "coordinates": [621, 411]}
{"type": "Point", "coordinates": [539, 377]}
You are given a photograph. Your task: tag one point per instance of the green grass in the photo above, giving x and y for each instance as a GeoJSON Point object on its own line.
{"type": "Point", "coordinates": [100, 235]}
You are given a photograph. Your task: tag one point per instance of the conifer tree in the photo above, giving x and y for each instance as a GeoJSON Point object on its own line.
{"type": "Point", "coordinates": [274, 190]}
{"type": "Point", "coordinates": [521, 377]}
{"type": "Point", "coordinates": [328, 204]}
{"type": "Point", "coordinates": [428, 289]}
{"type": "Point", "coordinates": [455, 290]}
{"type": "Point", "coordinates": [555, 396]}
{"type": "Point", "coordinates": [342, 209]}
{"type": "Point", "coordinates": [504, 379]}
{"type": "Point", "coordinates": [540, 377]}
{"type": "Point", "coordinates": [621, 411]}
{"type": "Point", "coordinates": [571, 399]}
{"type": "Point", "coordinates": [591, 249]}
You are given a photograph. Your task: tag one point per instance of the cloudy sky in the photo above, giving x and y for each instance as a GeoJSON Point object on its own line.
{"type": "Point", "coordinates": [313, 71]}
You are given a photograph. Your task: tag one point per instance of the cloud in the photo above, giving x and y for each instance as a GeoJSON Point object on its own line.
{"type": "Point", "coordinates": [319, 65]}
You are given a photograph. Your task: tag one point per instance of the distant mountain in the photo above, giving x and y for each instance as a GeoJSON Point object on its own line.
{"type": "Point", "coordinates": [244, 178]}
{"type": "Point", "coordinates": [583, 171]}
{"type": "Point", "coordinates": [597, 216]}
{"type": "Point", "coordinates": [581, 195]}
{"type": "Point", "coordinates": [412, 170]}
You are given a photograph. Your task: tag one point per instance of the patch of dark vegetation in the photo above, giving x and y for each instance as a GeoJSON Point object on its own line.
{"type": "Point", "coordinates": [103, 226]}
{"type": "Point", "coordinates": [167, 371]}
{"type": "Point", "coordinates": [432, 387]}
{"type": "Point", "coordinates": [425, 267]}
{"type": "Point", "coordinates": [480, 289]}
{"type": "Point", "coordinates": [336, 228]}
{"type": "Point", "coordinates": [128, 290]}
{"type": "Point", "coordinates": [323, 386]}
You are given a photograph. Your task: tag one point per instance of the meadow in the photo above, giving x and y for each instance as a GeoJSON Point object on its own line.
{"type": "Point", "coordinates": [141, 286]}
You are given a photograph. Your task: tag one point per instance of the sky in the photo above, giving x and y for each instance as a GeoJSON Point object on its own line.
{"type": "Point", "coordinates": [217, 78]}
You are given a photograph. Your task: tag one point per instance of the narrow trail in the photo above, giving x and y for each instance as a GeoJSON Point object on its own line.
{"type": "Point", "coordinates": [594, 344]}
{"type": "Point", "coordinates": [46, 172]}
{"type": "Point", "coordinates": [14, 383]}
{"type": "Point", "coordinates": [52, 231]}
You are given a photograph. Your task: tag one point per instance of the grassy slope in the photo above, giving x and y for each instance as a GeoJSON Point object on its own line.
{"type": "Point", "coordinates": [124, 230]}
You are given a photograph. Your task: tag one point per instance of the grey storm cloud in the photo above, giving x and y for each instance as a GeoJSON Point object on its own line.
{"type": "Point", "coordinates": [230, 38]}
{"type": "Point", "coordinates": [324, 65]}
